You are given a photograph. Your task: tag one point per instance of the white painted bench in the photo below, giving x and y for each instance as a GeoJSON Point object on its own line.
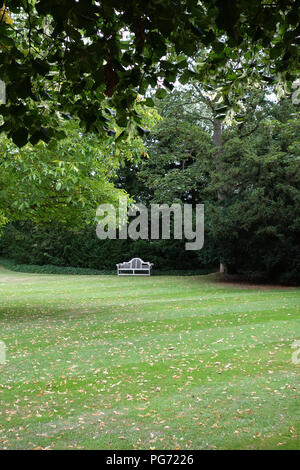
{"type": "Point", "coordinates": [134, 267]}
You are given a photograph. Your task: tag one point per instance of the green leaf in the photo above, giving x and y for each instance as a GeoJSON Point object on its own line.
{"type": "Point", "coordinates": [221, 109]}
{"type": "Point", "coordinates": [142, 131]}
{"type": "Point", "coordinates": [220, 116]}
{"type": "Point", "coordinates": [149, 102]}
{"type": "Point", "coordinates": [161, 93]}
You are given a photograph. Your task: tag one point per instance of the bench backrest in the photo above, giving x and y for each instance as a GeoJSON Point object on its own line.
{"type": "Point", "coordinates": [136, 263]}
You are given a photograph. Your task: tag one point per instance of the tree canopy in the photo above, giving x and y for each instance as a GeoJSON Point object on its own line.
{"type": "Point", "coordinates": [86, 58]}
{"type": "Point", "coordinates": [64, 181]}
{"type": "Point", "coordinates": [86, 80]}
{"type": "Point", "coordinates": [254, 227]}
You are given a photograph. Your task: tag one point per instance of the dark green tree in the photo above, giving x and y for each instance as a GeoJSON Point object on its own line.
{"type": "Point", "coordinates": [249, 182]}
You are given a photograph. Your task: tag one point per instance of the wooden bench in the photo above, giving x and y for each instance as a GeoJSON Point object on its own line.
{"type": "Point", "coordinates": [134, 267]}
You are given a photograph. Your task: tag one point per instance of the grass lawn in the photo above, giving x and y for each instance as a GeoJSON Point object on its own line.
{"type": "Point", "coordinates": [101, 362]}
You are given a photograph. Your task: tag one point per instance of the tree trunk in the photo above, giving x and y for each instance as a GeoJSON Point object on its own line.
{"type": "Point", "coordinates": [222, 268]}
{"type": "Point", "coordinates": [217, 140]}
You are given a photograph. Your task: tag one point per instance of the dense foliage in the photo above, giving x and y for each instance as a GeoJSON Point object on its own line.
{"type": "Point", "coordinates": [86, 57]}
{"type": "Point", "coordinates": [64, 181]}
{"type": "Point", "coordinates": [249, 184]}
{"type": "Point", "coordinates": [28, 244]}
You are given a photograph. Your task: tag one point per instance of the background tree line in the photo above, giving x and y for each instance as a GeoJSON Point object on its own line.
{"type": "Point", "coordinates": [244, 169]}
